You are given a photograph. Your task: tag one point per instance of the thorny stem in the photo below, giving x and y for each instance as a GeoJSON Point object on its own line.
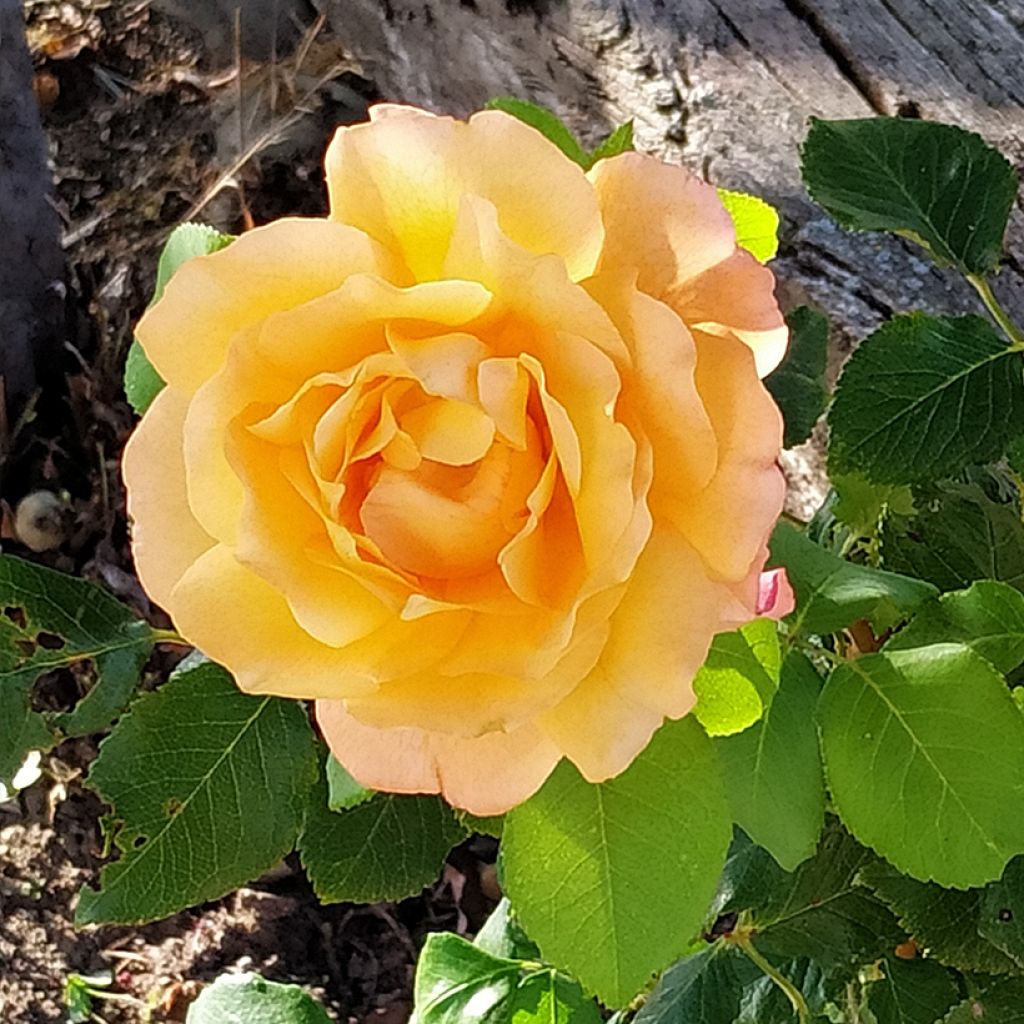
{"type": "Point", "coordinates": [996, 311]}
{"type": "Point", "coordinates": [792, 993]}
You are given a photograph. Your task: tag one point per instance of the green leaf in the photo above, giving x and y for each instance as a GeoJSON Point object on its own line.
{"type": "Point", "coordinates": [944, 922]}
{"type": "Point", "coordinates": [798, 383]}
{"type": "Point", "coordinates": [460, 983]}
{"type": "Point", "coordinates": [1002, 1002]}
{"type": "Point", "coordinates": [702, 989]}
{"type": "Point", "coordinates": [209, 785]}
{"type": "Point", "coordinates": [911, 992]}
{"type": "Point", "coordinates": [250, 999]}
{"type": "Point", "coordinates": [52, 622]}
{"type": "Point", "coordinates": [773, 772]}
{"type": "Point", "coordinates": [924, 755]}
{"type": "Point", "coordinates": [613, 880]}
{"type": "Point", "coordinates": [863, 506]}
{"type": "Point", "coordinates": [492, 825]}
{"type": "Point", "coordinates": [958, 536]}
{"type": "Point", "coordinates": [548, 124]}
{"type": "Point", "coordinates": [821, 910]}
{"type": "Point", "coordinates": [937, 184]}
{"type": "Point", "coordinates": [502, 935]}
{"type": "Point", "coordinates": [385, 849]}
{"type": "Point", "coordinates": [738, 680]}
{"type": "Point", "coordinates": [343, 791]}
{"type": "Point", "coordinates": [141, 382]}
{"type": "Point", "coordinates": [923, 396]}
{"type": "Point", "coordinates": [619, 141]}
{"type": "Point", "coordinates": [988, 617]}
{"type": "Point", "coordinates": [831, 593]}
{"type": "Point", "coordinates": [756, 223]}
{"type": "Point", "coordinates": [1002, 912]}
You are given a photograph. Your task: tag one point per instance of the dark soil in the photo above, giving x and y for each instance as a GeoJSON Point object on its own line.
{"type": "Point", "coordinates": [149, 126]}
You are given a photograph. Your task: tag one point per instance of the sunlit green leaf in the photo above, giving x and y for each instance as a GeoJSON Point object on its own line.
{"type": "Point", "coordinates": [460, 983]}
{"type": "Point", "coordinates": [343, 791]}
{"type": "Point", "coordinates": [756, 222]}
{"type": "Point", "coordinates": [550, 125]}
{"type": "Point", "coordinates": [738, 680]}
{"type": "Point", "coordinates": [924, 755]}
{"type": "Point", "coordinates": [613, 880]}
{"type": "Point", "coordinates": [250, 999]}
{"type": "Point", "coordinates": [772, 770]}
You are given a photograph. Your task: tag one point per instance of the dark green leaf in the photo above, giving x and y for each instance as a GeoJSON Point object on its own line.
{"type": "Point", "coordinates": [959, 535]}
{"type": "Point", "coordinates": [613, 880]}
{"type": "Point", "coordinates": [944, 922]}
{"type": "Point", "coordinates": [460, 983]}
{"type": "Point", "coordinates": [924, 755]}
{"type": "Point", "coordinates": [52, 621]}
{"type": "Point", "coordinates": [385, 849]}
{"type": "Point", "coordinates": [738, 680]}
{"type": "Point", "coordinates": [773, 770]}
{"type": "Point", "coordinates": [988, 618]}
{"type": "Point", "coordinates": [141, 382]}
{"type": "Point", "coordinates": [798, 384]}
{"type": "Point", "coordinates": [209, 785]}
{"type": "Point", "coordinates": [548, 124]}
{"type": "Point", "coordinates": [343, 791]}
{"type": "Point", "coordinates": [702, 989]}
{"type": "Point", "coordinates": [911, 992]}
{"type": "Point", "coordinates": [831, 593]}
{"type": "Point", "coordinates": [619, 141]}
{"type": "Point", "coordinates": [924, 396]}
{"type": "Point", "coordinates": [1001, 919]}
{"type": "Point", "coordinates": [1002, 1002]}
{"type": "Point", "coordinates": [250, 999]}
{"type": "Point", "coordinates": [940, 185]}
{"type": "Point", "coordinates": [820, 910]}
{"type": "Point", "coordinates": [756, 223]}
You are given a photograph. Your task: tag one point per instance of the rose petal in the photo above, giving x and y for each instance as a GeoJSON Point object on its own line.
{"type": "Point", "coordinates": [729, 520]}
{"type": "Point", "coordinates": [166, 538]}
{"type": "Point", "coordinates": [660, 221]}
{"type": "Point", "coordinates": [737, 296]}
{"type": "Point", "coordinates": [211, 298]}
{"type": "Point", "coordinates": [401, 177]}
{"type": "Point", "coordinates": [484, 775]}
{"type": "Point", "coordinates": [775, 597]}
{"type": "Point", "coordinates": [660, 635]}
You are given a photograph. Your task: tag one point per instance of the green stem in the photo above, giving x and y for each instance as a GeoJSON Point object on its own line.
{"type": "Point", "coordinates": [996, 311]}
{"type": "Point", "coordinates": [169, 636]}
{"type": "Point", "coordinates": [792, 993]}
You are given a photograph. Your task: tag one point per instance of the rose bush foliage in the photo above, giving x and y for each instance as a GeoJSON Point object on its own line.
{"type": "Point", "coordinates": [481, 462]}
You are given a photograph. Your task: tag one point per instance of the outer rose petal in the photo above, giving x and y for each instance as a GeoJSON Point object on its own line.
{"type": "Point", "coordinates": [271, 268]}
{"type": "Point", "coordinates": [660, 636]}
{"type": "Point", "coordinates": [485, 775]}
{"type": "Point", "coordinates": [737, 296]}
{"type": "Point", "coordinates": [166, 538]}
{"type": "Point", "coordinates": [401, 177]}
{"type": "Point", "coordinates": [730, 519]}
{"type": "Point", "coordinates": [660, 221]}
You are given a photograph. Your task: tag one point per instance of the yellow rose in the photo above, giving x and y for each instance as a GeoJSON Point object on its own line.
{"type": "Point", "coordinates": [481, 462]}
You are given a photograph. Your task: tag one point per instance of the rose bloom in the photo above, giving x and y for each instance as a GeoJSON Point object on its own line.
{"type": "Point", "coordinates": [480, 462]}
